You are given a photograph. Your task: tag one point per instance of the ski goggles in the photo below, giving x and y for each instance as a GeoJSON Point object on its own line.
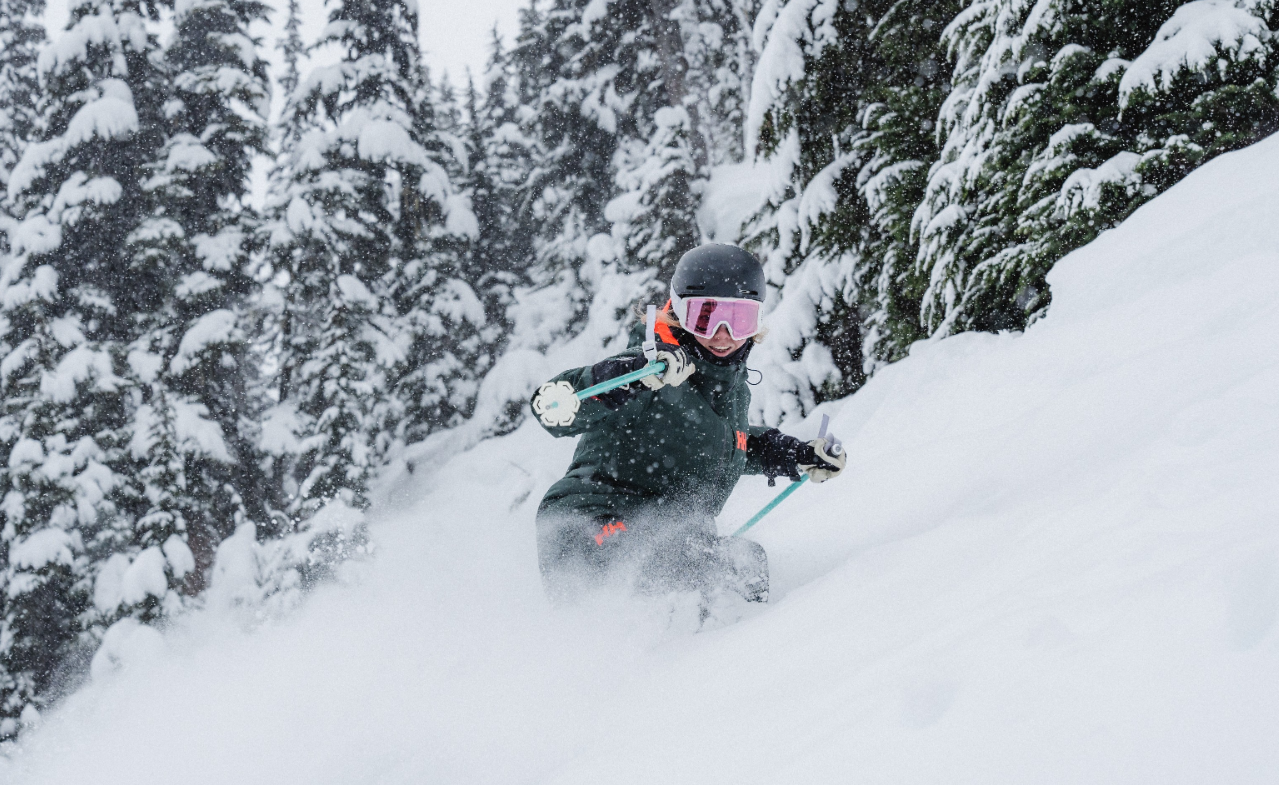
{"type": "Point", "coordinates": [702, 316]}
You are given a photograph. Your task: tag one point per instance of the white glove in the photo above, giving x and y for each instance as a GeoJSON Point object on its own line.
{"type": "Point", "coordinates": [679, 366]}
{"type": "Point", "coordinates": [556, 404]}
{"type": "Point", "coordinates": [827, 465]}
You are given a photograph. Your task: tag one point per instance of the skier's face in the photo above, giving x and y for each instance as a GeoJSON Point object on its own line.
{"type": "Point", "coordinates": [721, 344]}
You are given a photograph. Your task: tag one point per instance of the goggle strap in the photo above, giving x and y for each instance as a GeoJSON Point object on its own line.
{"type": "Point", "coordinates": [678, 306]}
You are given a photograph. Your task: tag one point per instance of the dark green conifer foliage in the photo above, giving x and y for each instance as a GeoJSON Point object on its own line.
{"type": "Point", "coordinates": [21, 36]}
{"type": "Point", "coordinates": [501, 163]}
{"type": "Point", "coordinates": [293, 48]}
{"type": "Point", "coordinates": [435, 289]}
{"type": "Point", "coordinates": [337, 238]}
{"type": "Point", "coordinates": [364, 206]}
{"type": "Point", "coordinates": [860, 123]}
{"type": "Point", "coordinates": [1050, 139]}
{"type": "Point", "coordinates": [899, 144]}
{"type": "Point", "coordinates": [194, 436]}
{"type": "Point", "coordinates": [721, 63]}
{"type": "Point", "coordinates": [498, 258]}
{"type": "Point", "coordinates": [571, 181]}
{"type": "Point", "coordinates": [637, 53]}
{"type": "Point", "coordinates": [72, 302]}
{"type": "Point", "coordinates": [46, 581]}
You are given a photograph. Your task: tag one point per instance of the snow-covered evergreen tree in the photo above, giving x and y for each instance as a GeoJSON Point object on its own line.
{"type": "Point", "coordinates": [616, 110]}
{"type": "Point", "coordinates": [897, 146]}
{"type": "Point", "coordinates": [721, 63]}
{"type": "Point", "coordinates": [292, 48]}
{"type": "Point", "coordinates": [197, 468]}
{"type": "Point", "coordinates": [446, 109]}
{"type": "Point", "coordinates": [815, 74]}
{"type": "Point", "coordinates": [365, 194]}
{"type": "Point", "coordinates": [496, 260]}
{"type": "Point", "coordinates": [634, 53]}
{"type": "Point", "coordinates": [1065, 117]}
{"type": "Point", "coordinates": [842, 109]}
{"type": "Point", "coordinates": [575, 137]}
{"type": "Point", "coordinates": [72, 297]}
{"type": "Point", "coordinates": [442, 314]}
{"type": "Point", "coordinates": [660, 179]}
{"type": "Point", "coordinates": [21, 36]}
{"type": "Point", "coordinates": [57, 478]}
{"type": "Point", "coordinates": [501, 163]}
{"type": "Point", "coordinates": [273, 327]}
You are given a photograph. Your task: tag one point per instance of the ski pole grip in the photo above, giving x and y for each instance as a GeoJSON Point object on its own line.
{"type": "Point", "coordinates": [834, 445]}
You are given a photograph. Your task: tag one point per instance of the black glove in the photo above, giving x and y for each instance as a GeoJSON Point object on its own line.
{"type": "Point", "coordinates": [612, 368]}
{"type": "Point", "coordinates": [782, 455]}
{"type": "Point", "coordinates": [830, 461]}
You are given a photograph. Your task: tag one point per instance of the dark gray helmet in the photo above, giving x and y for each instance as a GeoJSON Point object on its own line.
{"type": "Point", "coordinates": [718, 270]}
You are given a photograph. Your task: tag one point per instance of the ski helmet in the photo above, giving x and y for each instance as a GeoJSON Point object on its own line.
{"type": "Point", "coordinates": [718, 270]}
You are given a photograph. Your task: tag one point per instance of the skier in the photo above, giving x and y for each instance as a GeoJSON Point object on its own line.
{"type": "Point", "coordinates": [658, 458]}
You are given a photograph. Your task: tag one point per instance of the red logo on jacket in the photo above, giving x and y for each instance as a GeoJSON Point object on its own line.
{"type": "Point", "coordinates": [608, 530]}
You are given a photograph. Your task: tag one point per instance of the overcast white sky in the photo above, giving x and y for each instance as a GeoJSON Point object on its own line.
{"type": "Point", "coordinates": [454, 33]}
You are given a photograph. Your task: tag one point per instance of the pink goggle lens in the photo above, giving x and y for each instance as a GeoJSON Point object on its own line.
{"type": "Point", "coordinates": [704, 315]}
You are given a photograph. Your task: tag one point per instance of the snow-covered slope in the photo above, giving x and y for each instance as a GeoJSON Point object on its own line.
{"type": "Point", "coordinates": [1055, 558]}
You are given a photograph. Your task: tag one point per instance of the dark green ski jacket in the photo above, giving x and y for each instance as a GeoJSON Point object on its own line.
{"type": "Point", "coordinates": [677, 449]}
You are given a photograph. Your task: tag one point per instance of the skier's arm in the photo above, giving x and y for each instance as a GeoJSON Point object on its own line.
{"type": "Point", "coordinates": [774, 454]}
{"type": "Point", "coordinates": [755, 449]}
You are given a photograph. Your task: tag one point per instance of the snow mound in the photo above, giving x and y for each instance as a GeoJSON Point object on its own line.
{"type": "Point", "coordinates": [1054, 559]}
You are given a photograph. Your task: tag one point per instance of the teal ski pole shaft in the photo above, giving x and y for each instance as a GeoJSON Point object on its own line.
{"type": "Point", "coordinates": [621, 381]}
{"type": "Point", "coordinates": [794, 486]}
{"type": "Point", "coordinates": [781, 497]}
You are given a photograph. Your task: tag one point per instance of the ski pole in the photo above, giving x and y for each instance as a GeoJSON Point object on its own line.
{"type": "Point", "coordinates": [781, 497]}
{"type": "Point", "coordinates": [621, 381]}
{"type": "Point", "coordinates": [794, 486]}
{"type": "Point", "coordinates": [561, 395]}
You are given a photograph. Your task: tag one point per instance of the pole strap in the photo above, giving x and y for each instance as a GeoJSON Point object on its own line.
{"type": "Point", "coordinates": [650, 334]}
